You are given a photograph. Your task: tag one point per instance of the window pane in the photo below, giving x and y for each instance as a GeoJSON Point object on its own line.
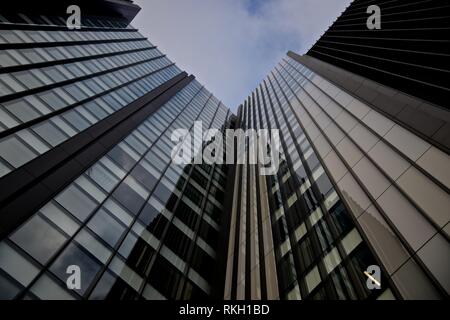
{"type": "Point", "coordinates": [92, 245]}
{"type": "Point", "coordinates": [38, 238]}
{"type": "Point", "coordinates": [47, 289]}
{"type": "Point", "coordinates": [50, 133]}
{"type": "Point", "coordinates": [16, 265]}
{"type": "Point", "coordinates": [64, 221]}
{"type": "Point", "coordinates": [15, 152]}
{"type": "Point", "coordinates": [22, 110]}
{"type": "Point", "coordinates": [73, 255]}
{"type": "Point", "coordinates": [76, 202]}
{"type": "Point", "coordinates": [53, 100]}
{"type": "Point", "coordinates": [106, 227]}
{"type": "Point", "coordinates": [9, 288]}
{"type": "Point", "coordinates": [128, 198]}
{"type": "Point", "coordinates": [28, 79]}
{"type": "Point", "coordinates": [102, 176]}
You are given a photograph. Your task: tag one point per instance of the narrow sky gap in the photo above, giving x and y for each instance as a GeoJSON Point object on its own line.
{"type": "Point", "coordinates": [231, 45]}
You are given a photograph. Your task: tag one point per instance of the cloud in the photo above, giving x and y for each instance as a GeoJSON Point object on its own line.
{"type": "Point", "coordinates": [231, 45]}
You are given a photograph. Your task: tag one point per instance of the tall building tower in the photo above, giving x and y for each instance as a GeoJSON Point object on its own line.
{"type": "Point", "coordinates": [359, 208]}
{"type": "Point", "coordinates": [365, 177]}
{"type": "Point", "coordinates": [86, 178]}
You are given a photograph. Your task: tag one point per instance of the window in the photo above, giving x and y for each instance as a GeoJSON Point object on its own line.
{"type": "Point", "coordinates": [122, 158]}
{"type": "Point", "coordinates": [16, 265]}
{"type": "Point", "coordinates": [331, 260]}
{"type": "Point", "coordinates": [312, 279]}
{"type": "Point", "coordinates": [53, 100]}
{"type": "Point", "coordinates": [104, 287]}
{"type": "Point", "coordinates": [32, 55]}
{"type": "Point", "coordinates": [312, 162]}
{"type": "Point", "coordinates": [351, 241]}
{"type": "Point", "coordinates": [27, 79]}
{"type": "Point", "coordinates": [6, 60]}
{"type": "Point", "coordinates": [4, 169]}
{"type": "Point", "coordinates": [126, 273]}
{"type": "Point", "coordinates": [74, 255]}
{"type": "Point", "coordinates": [306, 253]}
{"type": "Point", "coordinates": [341, 218]}
{"type": "Point", "coordinates": [55, 214]}
{"type": "Point", "coordinates": [102, 176]}
{"type": "Point", "coordinates": [93, 246]}
{"type": "Point", "coordinates": [54, 74]}
{"type": "Point", "coordinates": [22, 110]}
{"type": "Point", "coordinates": [106, 227]}
{"type": "Point", "coordinates": [129, 198]}
{"type": "Point", "coordinates": [143, 176]}
{"type": "Point", "coordinates": [47, 288]}
{"type": "Point", "coordinates": [164, 277]}
{"type": "Point", "coordinates": [324, 234]}
{"type": "Point", "coordinates": [155, 161]}
{"type": "Point", "coordinates": [6, 119]}
{"type": "Point", "coordinates": [118, 172]}
{"type": "Point", "coordinates": [75, 92]}
{"type": "Point", "coordinates": [38, 238]}
{"type": "Point", "coordinates": [32, 140]}
{"type": "Point", "coordinates": [9, 288]}
{"type": "Point", "coordinates": [13, 84]}
{"type": "Point", "coordinates": [50, 133]}
{"type": "Point", "coordinates": [15, 152]}
{"type": "Point", "coordinates": [76, 202]}
{"type": "Point", "coordinates": [149, 213]}
{"type": "Point", "coordinates": [76, 120]}
{"type": "Point", "coordinates": [324, 185]}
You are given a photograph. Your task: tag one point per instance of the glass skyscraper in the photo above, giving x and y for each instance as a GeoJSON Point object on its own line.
{"type": "Point", "coordinates": [86, 175]}
{"type": "Point", "coordinates": [364, 180]}
{"type": "Point", "coordinates": [87, 179]}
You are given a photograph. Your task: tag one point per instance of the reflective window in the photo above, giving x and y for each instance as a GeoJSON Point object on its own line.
{"type": "Point", "coordinates": [47, 288]}
{"type": "Point", "coordinates": [50, 133]}
{"type": "Point", "coordinates": [38, 238]}
{"type": "Point", "coordinates": [76, 202]}
{"type": "Point", "coordinates": [106, 227]}
{"type": "Point", "coordinates": [15, 152]}
{"type": "Point", "coordinates": [74, 255]}
{"type": "Point", "coordinates": [22, 110]}
{"type": "Point", "coordinates": [16, 265]}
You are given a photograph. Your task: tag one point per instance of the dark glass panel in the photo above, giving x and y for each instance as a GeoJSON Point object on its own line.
{"type": "Point", "coordinates": [128, 198]}
{"type": "Point", "coordinates": [74, 255]}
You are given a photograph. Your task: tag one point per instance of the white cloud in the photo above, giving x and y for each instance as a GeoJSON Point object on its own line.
{"type": "Point", "coordinates": [228, 48]}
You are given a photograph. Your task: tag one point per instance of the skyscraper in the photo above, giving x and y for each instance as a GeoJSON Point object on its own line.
{"type": "Point", "coordinates": [87, 182]}
{"type": "Point", "coordinates": [365, 179]}
{"type": "Point", "coordinates": [359, 208]}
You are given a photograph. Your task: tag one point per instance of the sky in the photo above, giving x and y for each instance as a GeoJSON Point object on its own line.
{"type": "Point", "coordinates": [231, 45]}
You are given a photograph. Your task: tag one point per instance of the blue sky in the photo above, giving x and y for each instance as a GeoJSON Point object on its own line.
{"type": "Point", "coordinates": [231, 45]}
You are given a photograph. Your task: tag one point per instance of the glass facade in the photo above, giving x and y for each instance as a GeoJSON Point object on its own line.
{"type": "Point", "coordinates": [137, 225]}
{"type": "Point", "coordinates": [88, 183]}
{"type": "Point", "coordinates": [351, 192]}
